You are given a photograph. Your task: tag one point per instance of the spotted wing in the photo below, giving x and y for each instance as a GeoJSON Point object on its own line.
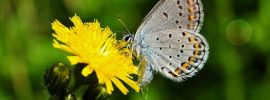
{"type": "Point", "coordinates": [172, 14]}
{"type": "Point", "coordinates": [177, 54]}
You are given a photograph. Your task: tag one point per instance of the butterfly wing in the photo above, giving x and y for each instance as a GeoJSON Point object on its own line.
{"type": "Point", "coordinates": [173, 14]}
{"type": "Point", "coordinates": [170, 14]}
{"type": "Point", "coordinates": [177, 54]}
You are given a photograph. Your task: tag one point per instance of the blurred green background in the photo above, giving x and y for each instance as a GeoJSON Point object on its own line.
{"type": "Point", "coordinates": [238, 67]}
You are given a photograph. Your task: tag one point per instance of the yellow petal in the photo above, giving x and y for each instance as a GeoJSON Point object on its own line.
{"type": "Point", "coordinates": [118, 84]}
{"type": "Point", "coordinates": [73, 59]}
{"type": "Point", "coordinates": [86, 71]}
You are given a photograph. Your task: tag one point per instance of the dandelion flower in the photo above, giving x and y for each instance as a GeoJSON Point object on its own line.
{"type": "Point", "coordinates": [98, 48]}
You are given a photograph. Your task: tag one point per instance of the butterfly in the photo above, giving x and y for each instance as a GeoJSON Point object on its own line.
{"type": "Point", "coordinates": [168, 41]}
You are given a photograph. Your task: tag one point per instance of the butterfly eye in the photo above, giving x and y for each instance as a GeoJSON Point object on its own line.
{"type": "Point", "coordinates": [127, 38]}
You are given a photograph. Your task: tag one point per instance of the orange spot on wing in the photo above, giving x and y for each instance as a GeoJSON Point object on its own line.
{"type": "Point", "coordinates": [191, 17]}
{"type": "Point", "coordinates": [190, 25]}
{"type": "Point", "coordinates": [177, 70]}
{"type": "Point", "coordinates": [191, 59]}
{"type": "Point", "coordinates": [189, 2]}
{"type": "Point", "coordinates": [190, 10]}
{"type": "Point", "coordinates": [196, 53]}
{"type": "Point", "coordinates": [185, 65]}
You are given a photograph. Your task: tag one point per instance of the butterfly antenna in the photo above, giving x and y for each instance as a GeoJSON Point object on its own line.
{"type": "Point", "coordinates": [120, 20]}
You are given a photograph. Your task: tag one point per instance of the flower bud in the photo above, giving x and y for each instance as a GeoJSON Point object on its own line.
{"type": "Point", "coordinates": [57, 79]}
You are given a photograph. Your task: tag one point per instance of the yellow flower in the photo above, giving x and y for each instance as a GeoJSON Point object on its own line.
{"type": "Point", "coordinates": [98, 48]}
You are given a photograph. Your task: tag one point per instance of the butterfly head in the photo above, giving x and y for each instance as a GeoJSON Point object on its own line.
{"type": "Point", "coordinates": [130, 44]}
